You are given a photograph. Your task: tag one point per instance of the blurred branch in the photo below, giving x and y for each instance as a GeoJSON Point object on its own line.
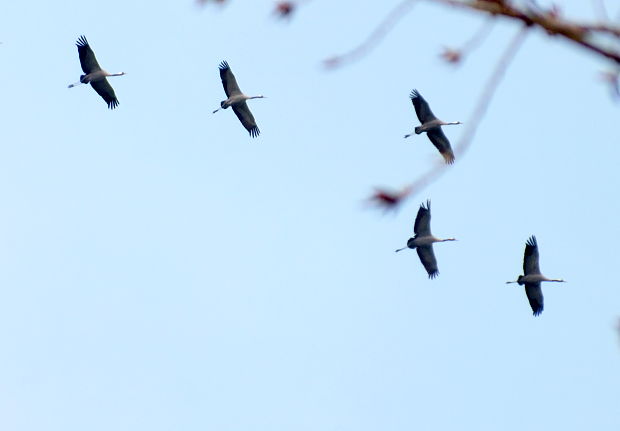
{"type": "Point", "coordinates": [550, 21]}
{"type": "Point", "coordinates": [455, 56]}
{"type": "Point", "coordinates": [491, 86]}
{"type": "Point", "coordinates": [600, 9]}
{"type": "Point", "coordinates": [375, 37]}
{"type": "Point", "coordinates": [612, 79]}
{"type": "Point", "coordinates": [285, 9]}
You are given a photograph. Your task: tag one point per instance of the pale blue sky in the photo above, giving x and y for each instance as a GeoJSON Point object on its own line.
{"type": "Point", "coordinates": [163, 271]}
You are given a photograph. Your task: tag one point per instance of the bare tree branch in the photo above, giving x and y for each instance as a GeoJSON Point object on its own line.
{"type": "Point", "coordinates": [550, 21]}
{"type": "Point", "coordinates": [582, 34]}
{"type": "Point", "coordinates": [375, 37]}
{"type": "Point", "coordinates": [491, 86]}
{"type": "Point", "coordinates": [454, 56]}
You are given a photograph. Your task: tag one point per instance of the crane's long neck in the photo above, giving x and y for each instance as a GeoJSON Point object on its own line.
{"type": "Point", "coordinates": [116, 74]}
{"type": "Point", "coordinates": [556, 280]}
{"type": "Point", "coordinates": [452, 123]}
{"type": "Point", "coordinates": [446, 239]}
{"type": "Point", "coordinates": [255, 97]}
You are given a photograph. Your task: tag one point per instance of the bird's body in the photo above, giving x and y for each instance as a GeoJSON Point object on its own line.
{"type": "Point", "coordinates": [423, 240]}
{"type": "Point", "coordinates": [237, 100]}
{"type": "Point", "coordinates": [94, 74]}
{"type": "Point", "coordinates": [431, 125]}
{"type": "Point", "coordinates": [532, 276]}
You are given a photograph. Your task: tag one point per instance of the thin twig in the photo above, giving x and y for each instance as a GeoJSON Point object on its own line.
{"type": "Point", "coordinates": [379, 33]}
{"type": "Point", "coordinates": [491, 86]}
{"type": "Point", "coordinates": [479, 36]}
{"type": "Point", "coordinates": [454, 56]}
{"type": "Point", "coordinates": [601, 11]}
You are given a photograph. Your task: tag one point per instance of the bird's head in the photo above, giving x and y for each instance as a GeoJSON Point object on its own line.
{"type": "Point", "coordinates": [518, 280]}
{"type": "Point", "coordinates": [449, 239]}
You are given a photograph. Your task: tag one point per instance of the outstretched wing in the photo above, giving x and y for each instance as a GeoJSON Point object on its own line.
{"type": "Point", "coordinates": [87, 56]}
{"type": "Point", "coordinates": [422, 110]}
{"type": "Point", "coordinates": [247, 119]}
{"type": "Point", "coordinates": [105, 90]}
{"type": "Point", "coordinates": [530, 257]}
{"type": "Point", "coordinates": [427, 257]}
{"type": "Point", "coordinates": [422, 225]}
{"type": "Point", "coordinates": [440, 141]}
{"type": "Point", "coordinates": [535, 296]}
{"type": "Point", "coordinates": [228, 80]}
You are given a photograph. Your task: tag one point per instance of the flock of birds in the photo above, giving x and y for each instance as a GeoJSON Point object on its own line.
{"type": "Point", "coordinates": [423, 239]}
{"type": "Point", "coordinates": [97, 78]}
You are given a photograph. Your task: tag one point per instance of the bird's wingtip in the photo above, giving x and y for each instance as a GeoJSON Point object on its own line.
{"type": "Point", "coordinates": [254, 131]}
{"type": "Point", "coordinates": [448, 158]}
{"type": "Point", "coordinates": [81, 41]}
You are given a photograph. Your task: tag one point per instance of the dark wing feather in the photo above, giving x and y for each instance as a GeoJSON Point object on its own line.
{"type": "Point", "coordinates": [427, 257]}
{"type": "Point", "coordinates": [535, 296]}
{"type": "Point", "coordinates": [87, 56]}
{"type": "Point", "coordinates": [439, 140]}
{"type": "Point", "coordinates": [228, 80]}
{"type": "Point", "coordinates": [530, 257]}
{"type": "Point", "coordinates": [247, 119]}
{"type": "Point", "coordinates": [422, 110]}
{"type": "Point", "coordinates": [422, 225]}
{"type": "Point", "coordinates": [105, 90]}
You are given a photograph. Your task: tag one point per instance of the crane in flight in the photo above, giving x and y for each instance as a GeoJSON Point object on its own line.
{"type": "Point", "coordinates": [94, 74]}
{"type": "Point", "coordinates": [432, 126]}
{"type": "Point", "coordinates": [237, 100]}
{"type": "Point", "coordinates": [532, 276]}
{"type": "Point", "coordinates": [423, 240]}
